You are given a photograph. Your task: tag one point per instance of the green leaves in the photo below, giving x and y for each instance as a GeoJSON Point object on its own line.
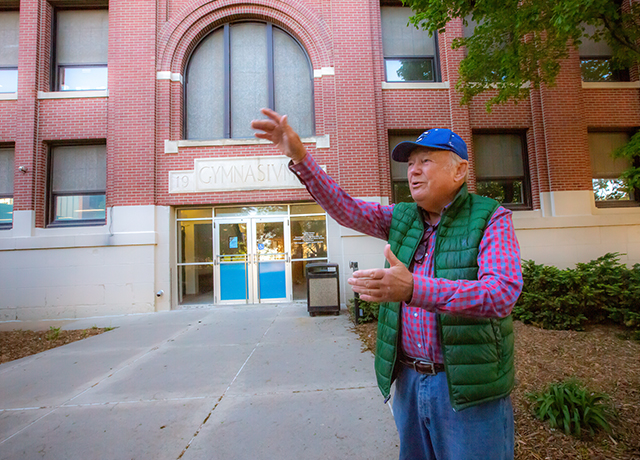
{"type": "Point", "coordinates": [593, 292]}
{"type": "Point", "coordinates": [573, 408]}
{"type": "Point", "coordinates": [631, 151]}
{"type": "Point", "coordinates": [369, 310]}
{"type": "Point", "coordinates": [518, 44]}
{"type": "Point", "coordinates": [54, 333]}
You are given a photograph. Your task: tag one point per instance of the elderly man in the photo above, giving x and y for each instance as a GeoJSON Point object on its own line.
{"type": "Point", "coordinates": [445, 333]}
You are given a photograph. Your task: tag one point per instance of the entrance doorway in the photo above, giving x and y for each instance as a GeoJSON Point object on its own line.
{"type": "Point", "coordinates": [253, 260]}
{"type": "Point", "coordinates": [248, 254]}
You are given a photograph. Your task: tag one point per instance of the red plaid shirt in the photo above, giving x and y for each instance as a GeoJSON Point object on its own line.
{"type": "Point", "coordinates": [492, 295]}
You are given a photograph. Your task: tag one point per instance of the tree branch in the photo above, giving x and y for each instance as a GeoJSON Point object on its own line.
{"type": "Point", "coordinates": [614, 28]}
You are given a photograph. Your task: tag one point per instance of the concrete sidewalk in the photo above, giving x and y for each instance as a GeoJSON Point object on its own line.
{"type": "Point", "coordinates": [250, 382]}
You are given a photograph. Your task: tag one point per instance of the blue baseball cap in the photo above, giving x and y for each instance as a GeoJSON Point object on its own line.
{"type": "Point", "coordinates": [437, 139]}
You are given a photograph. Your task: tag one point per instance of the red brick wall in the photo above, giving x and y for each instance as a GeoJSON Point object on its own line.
{"type": "Point", "coordinates": [141, 112]}
{"type": "Point", "coordinates": [8, 120]}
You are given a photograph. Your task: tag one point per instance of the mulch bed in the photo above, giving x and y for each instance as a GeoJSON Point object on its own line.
{"type": "Point", "coordinates": [600, 358]}
{"type": "Point", "coordinates": [18, 344]}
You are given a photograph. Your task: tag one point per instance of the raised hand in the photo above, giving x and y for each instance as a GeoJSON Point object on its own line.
{"type": "Point", "coordinates": [393, 284]}
{"type": "Point", "coordinates": [277, 130]}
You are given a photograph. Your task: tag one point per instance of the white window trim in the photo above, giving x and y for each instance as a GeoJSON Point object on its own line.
{"type": "Point", "coordinates": [414, 85]}
{"type": "Point", "coordinates": [610, 84]}
{"type": "Point", "coordinates": [8, 96]}
{"type": "Point", "coordinates": [72, 94]}
{"type": "Point", "coordinates": [172, 147]}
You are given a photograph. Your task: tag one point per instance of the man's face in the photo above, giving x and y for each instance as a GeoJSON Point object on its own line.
{"type": "Point", "coordinates": [433, 178]}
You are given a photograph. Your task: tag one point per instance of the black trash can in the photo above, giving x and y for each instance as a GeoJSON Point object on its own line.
{"type": "Point", "coordinates": [323, 288]}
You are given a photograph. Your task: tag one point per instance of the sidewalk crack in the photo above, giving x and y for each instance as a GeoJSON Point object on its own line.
{"type": "Point", "coordinates": [229, 386]}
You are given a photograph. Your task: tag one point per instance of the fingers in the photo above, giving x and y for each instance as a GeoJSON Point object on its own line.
{"type": "Point", "coordinates": [264, 125]}
{"type": "Point", "coordinates": [273, 122]}
{"type": "Point", "coordinates": [275, 116]}
{"type": "Point", "coordinates": [390, 256]}
{"type": "Point", "coordinates": [370, 274]}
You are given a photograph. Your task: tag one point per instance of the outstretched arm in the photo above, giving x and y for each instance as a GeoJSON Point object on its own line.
{"type": "Point", "coordinates": [369, 218]}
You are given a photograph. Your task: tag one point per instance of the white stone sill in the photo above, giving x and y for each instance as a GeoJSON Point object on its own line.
{"type": "Point", "coordinates": [609, 217]}
{"type": "Point", "coordinates": [172, 147]}
{"type": "Point", "coordinates": [398, 85]}
{"type": "Point", "coordinates": [72, 94]}
{"type": "Point", "coordinates": [74, 240]}
{"type": "Point", "coordinates": [610, 85]}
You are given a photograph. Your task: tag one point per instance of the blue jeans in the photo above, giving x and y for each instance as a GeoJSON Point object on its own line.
{"type": "Point", "coordinates": [430, 429]}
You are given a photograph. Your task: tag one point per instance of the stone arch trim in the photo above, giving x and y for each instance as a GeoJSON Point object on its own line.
{"type": "Point", "coordinates": [182, 33]}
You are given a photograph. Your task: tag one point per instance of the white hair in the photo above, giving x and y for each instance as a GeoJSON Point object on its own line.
{"type": "Point", "coordinates": [455, 161]}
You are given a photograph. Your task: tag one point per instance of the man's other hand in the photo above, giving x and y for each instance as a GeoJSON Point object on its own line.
{"type": "Point", "coordinates": [277, 130]}
{"type": "Point", "coordinates": [393, 284]}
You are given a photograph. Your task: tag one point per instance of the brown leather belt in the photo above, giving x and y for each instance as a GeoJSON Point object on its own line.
{"type": "Point", "coordinates": [421, 366]}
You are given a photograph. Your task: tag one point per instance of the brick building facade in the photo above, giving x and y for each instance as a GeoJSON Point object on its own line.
{"type": "Point", "coordinates": [128, 182]}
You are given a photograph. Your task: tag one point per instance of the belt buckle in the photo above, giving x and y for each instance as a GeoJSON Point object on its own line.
{"type": "Point", "coordinates": [428, 368]}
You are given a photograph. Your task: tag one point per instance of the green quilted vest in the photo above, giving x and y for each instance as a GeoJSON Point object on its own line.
{"type": "Point", "coordinates": [475, 374]}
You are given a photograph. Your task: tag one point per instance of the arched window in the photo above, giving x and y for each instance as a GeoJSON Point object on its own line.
{"type": "Point", "coordinates": [240, 68]}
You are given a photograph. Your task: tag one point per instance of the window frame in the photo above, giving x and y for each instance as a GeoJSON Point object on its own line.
{"type": "Point", "coordinates": [17, 76]}
{"type": "Point", "coordinates": [227, 75]}
{"type": "Point", "coordinates": [11, 9]}
{"type": "Point", "coordinates": [9, 225]}
{"type": "Point", "coordinates": [600, 50]}
{"type": "Point", "coordinates": [527, 201]}
{"type": "Point", "coordinates": [51, 221]}
{"type": "Point", "coordinates": [435, 59]}
{"type": "Point", "coordinates": [635, 193]}
{"type": "Point", "coordinates": [618, 75]}
{"type": "Point", "coordinates": [56, 67]}
{"type": "Point", "coordinates": [413, 134]}
{"type": "Point", "coordinates": [80, 66]}
{"type": "Point", "coordinates": [435, 65]}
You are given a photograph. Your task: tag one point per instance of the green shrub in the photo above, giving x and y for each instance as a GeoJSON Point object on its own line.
{"type": "Point", "coordinates": [549, 298]}
{"type": "Point", "coordinates": [603, 289]}
{"type": "Point", "coordinates": [571, 407]}
{"type": "Point", "coordinates": [369, 310]}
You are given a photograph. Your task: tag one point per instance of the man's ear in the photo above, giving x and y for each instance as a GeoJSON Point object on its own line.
{"type": "Point", "coordinates": [461, 171]}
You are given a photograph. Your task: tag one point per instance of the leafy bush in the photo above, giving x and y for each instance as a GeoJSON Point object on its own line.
{"type": "Point", "coordinates": [593, 292]}
{"type": "Point", "coordinates": [549, 298]}
{"type": "Point", "coordinates": [369, 310]}
{"type": "Point", "coordinates": [571, 407]}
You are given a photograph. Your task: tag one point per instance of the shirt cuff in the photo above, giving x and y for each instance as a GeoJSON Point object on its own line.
{"type": "Point", "coordinates": [425, 293]}
{"type": "Point", "coordinates": [306, 169]}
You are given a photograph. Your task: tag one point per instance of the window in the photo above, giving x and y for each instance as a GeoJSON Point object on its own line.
{"type": "Point", "coordinates": [500, 167]}
{"type": "Point", "coordinates": [240, 68]}
{"type": "Point", "coordinates": [399, 182]}
{"type": "Point", "coordinates": [9, 24]}
{"type": "Point", "coordinates": [82, 41]}
{"type": "Point", "coordinates": [78, 185]}
{"type": "Point", "coordinates": [410, 54]}
{"type": "Point", "coordinates": [608, 188]}
{"type": "Point", "coordinates": [470, 27]}
{"type": "Point", "coordinates": [596, 63]}
{"type": "Point", "coordinates": [6, 187]}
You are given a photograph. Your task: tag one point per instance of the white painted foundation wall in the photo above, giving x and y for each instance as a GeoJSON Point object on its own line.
{"type": "Point", "coordinates": [75, 272]}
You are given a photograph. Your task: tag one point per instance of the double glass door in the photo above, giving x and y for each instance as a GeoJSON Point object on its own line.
{"type": "Point", "coordinates": [253, 262]}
